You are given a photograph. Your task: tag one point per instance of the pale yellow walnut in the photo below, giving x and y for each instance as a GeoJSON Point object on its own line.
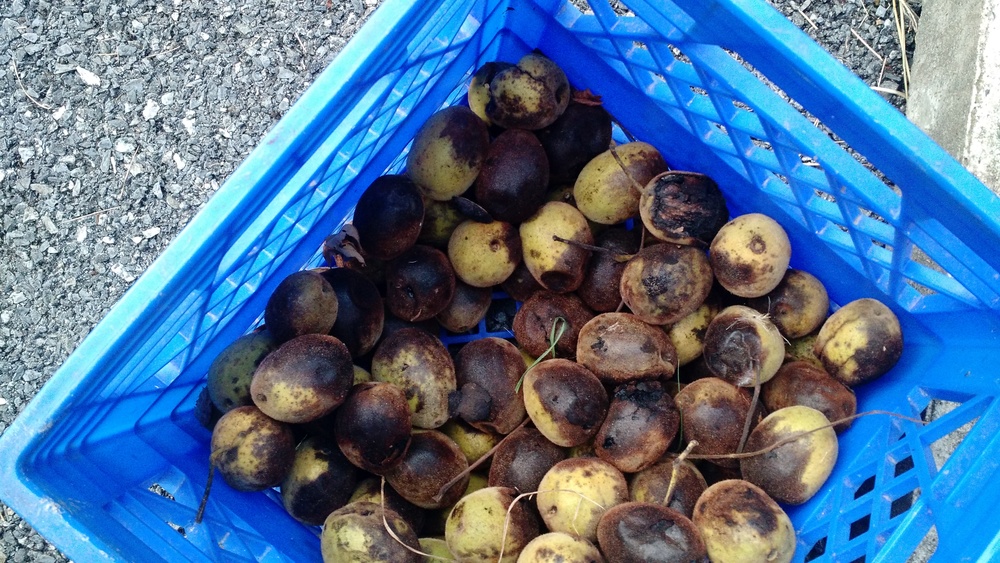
{"type": "Point", "coordinates": [740, 523]}
{"type": "Point", "coordinates": [750, 255]}
{"type": "Point", "coordinates": [859, 342]}
{"type": "Point", "coordinates": [484, 254]}
{"type": "Point", "coordinates": [473, 443]}
{"type": "Point", "coordinates": [575, 493]}
{"type": "Point", "coordinates": [606, 193]}
{"type": "Point", "coordinates": [688, 334]}
{"type": "Point", "coordinates": [559, 547]}
{"type": "Point", "coordinates": [448, 152]}
{"type": "Point", "coordinates": [793, 472]}
{"type": "Point", "coordinates": [556, 265]}
{"type": "Point", "coordinates": [475, 529]}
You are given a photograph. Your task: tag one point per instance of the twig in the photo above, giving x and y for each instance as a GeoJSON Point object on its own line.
{"type": "Point", "coordinates": [163, 52]}
{"type": "Point", "coordinates": [208, 488]}
{"type": "Point", "coordinates": [869, 47]}
{"type": "Point", "coordinates": [121, 191]}
{"type": "Point", "coordinates": [750, 415]}
{"type": "Point", "coordinates": [803, 14]}
{"type": "Point", "coordinates": [797, 435]}
{"type": "Point", "coordinates": [477, 463]}
{"type": "Point", "coordinates": [635, 183]}
{"type": "Point", "coordinates": [675, 469]}
{"type": "Point", "coordinates": [392, 533]}
{"type": "Point", "coordinates": [302, 47]}
{"type": "Point", "coordinates": [98, 212]}
{"type": "Point", "coordinates": [897, 14]}
{"type": "Point", "coordinates": [889, 91]}
{"type": "Point", "coordinates": [555, 335]}
{"type": "Point", "coordinates": [506, 521]}
{"type": "Point", "coordinates": [24, 90]}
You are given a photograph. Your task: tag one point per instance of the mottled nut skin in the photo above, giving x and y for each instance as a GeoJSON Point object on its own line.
{"type": "Point", "coordinates": [320, 481]}
{"type": "Point", "coordinates": [479, 87]}
{"type": "Point", "coordinates": [797, 306]}
{"type": "Point", "coordinates": [522, 459]}
{"type": "Point", "coordinates": [576, 492]}
{"type": "Point", "coordinates": [652, 483]}
{"type": "Point", "coordinates": [514, 180]}
{"type": "Point", "coordinates": [420, 365]}
{"type": "Point", "coordinates": [303, 303]}
{"type": "Point", "coordinates": [641, 532]}
{"type": "Point", "coordinates": [358, 532]}
{"type": "Point", "coordinates": [534, 320]}
{"type": "Point", "coordinates": [389, 216]}
{"type": "Point", "coordinates": [495, 365]}
{"type": "Point", "coordinates": [531, 95]}
{"type": "Point", "coordinates": [488, 522]}
{"type": "Point", "coordinates": [232, 370]}
{"type": "Point", "coordinates": [601, 287]}
{"type": "Point", "coordinates": [468, 306]}
{"type": "Point", "coordinates": [251, 450]}
{"type": "Point", "coordinates": [560, 547]}
{"type": "Point", "coordinates": [688, 334]}
{"type": "Point", "coordinates": [804, 383]}
{"type": "Point", "coordinates": [565, 401]}
{"type": "Point", "coordinates": [372, 427]}
{"type": "Point", "coordinates": [447, 153]}
{"type": "Point", "coordinates": [683, 207]}
{"type": "Point", "coordinates": [713, 412]}
{"type": "Point", "coordinates": [484, 254]}
{"type": "Point", "coordinates": [743, 347]}
{"type": "Point", "coordinates": [750, 254]}
{"type": "Point", "coordinates": [860, 342]}
{"type": "Point", "coordinates": [304, 379]}
{"type": "Point", "coordinates": [608, 192]}
{"type": "Point", "coordinates": [619, 348]}
{"type": "Point", "coordinates": [665, 282]}
{"type": "Point", "coordinates": [360, 311]}
{"type": "Point", "coordinates": [431, 461]}
{"type": "Point", "coordinates": [556, 265]}
{"type": "Point", "coordinates": [641, 423]}
{"type": "Point", "coordinates": [794, 471]}
{"type": "Point", "coordinates": [582, 132]}
{"type": "Point", "coordinates": [739, 523]}
{"type": "Point", "coordinates": [419, 283]}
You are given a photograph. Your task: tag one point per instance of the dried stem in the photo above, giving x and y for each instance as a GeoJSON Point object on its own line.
{"type": "Point", "coordinates": [559, 326]}
{"type": "Point", "coordinates": [388, 528]}
{"type": "Point", "coordinates": [614, 152]}
{"type": "Point", "coordinates": [24, 90]}
{"type": "Point", "coordinates": [208, 488]}
{"type": "Point", "coordinates": [750, 415]}
{"type": "Point", "coordinates": [797, 435]}
{"type": "Point", "coordinates": [98, 212]}
{"type": "Point", "coordinates": [593, 248]}
{"type": "Point", "coordinates": [506, 521]}
{"type": "Point", "coordinates": [128, 170]}
{"type": "Point", "coordinates": [675, 470]}
{"type": "Point", "coordinates": [477, 463]}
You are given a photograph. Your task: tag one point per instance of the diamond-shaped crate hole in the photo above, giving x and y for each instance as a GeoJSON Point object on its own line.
{"type": "Point", "coordinates": [942, 446]}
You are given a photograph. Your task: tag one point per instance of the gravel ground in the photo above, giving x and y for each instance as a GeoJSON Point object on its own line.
{"type": "Point", "coordinates": [123, 117]}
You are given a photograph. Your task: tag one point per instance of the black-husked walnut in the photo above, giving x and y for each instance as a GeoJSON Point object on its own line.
{"type": "Point", "coordinates": [683, 207]}
{"type": "Point", "coordinates": [303, 303]}
{"type": "Point", "coordinates": [665, 282]}
{"type": "Point", "coordinates": [373, 426]}
{"type": "Point", "coordinates": [641, 532]}
{"type": "Point", "coordinates": [389, 216]}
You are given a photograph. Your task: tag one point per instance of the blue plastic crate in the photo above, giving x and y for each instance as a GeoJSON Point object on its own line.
{"type": "Point", "coordinates": [108, 461]}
